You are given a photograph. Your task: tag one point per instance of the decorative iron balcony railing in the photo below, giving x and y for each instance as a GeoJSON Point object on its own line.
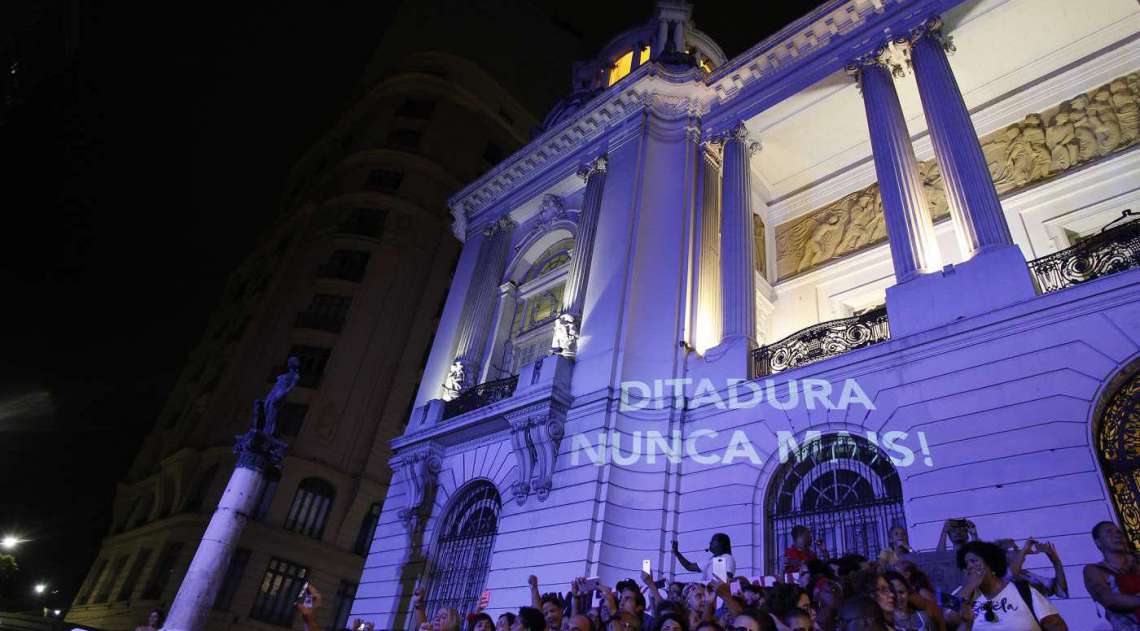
{"type": "Point", "coordinates": [1113, 250]}
{"type": "Point", "coordinates": [479, 396]}
{"type": "Point", "coordinates": [820, 341]}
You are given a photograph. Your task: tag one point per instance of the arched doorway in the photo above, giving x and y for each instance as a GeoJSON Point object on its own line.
{"type": "Point", "coordinates": [841, 486]}
{"type": "Point", "coordinates": [1118, 448]}
{"type": "Point", "coordinates": [463, 548]}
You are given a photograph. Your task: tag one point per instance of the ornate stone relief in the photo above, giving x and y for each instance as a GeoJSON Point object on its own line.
{"type": "Point", "coordinates": [1043, 145]}
{"type": "Point", "coordinates": [550, 211]}
{"type": "Point", "coordinates": [419, 470]}
{"type": "Point", "coordinates": [536, 435]}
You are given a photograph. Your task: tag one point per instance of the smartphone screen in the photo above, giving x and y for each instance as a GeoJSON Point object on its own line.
{"type": "Point", "coordinates": [645, 566]}
{"type": "Point", "coordinates": [718, 568]}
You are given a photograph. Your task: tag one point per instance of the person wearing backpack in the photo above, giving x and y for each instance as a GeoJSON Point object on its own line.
{"type": "Point", "coordinates": [993, 603]}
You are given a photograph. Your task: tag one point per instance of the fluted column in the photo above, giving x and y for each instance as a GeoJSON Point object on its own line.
{"type": "Point", "coordinates": [909, 226]}
{"type": "Point", "coordinates": [708, 279]}
{"type": "Point", "coordinates": [970, 190]}
{"type": "Point", "coordinates": [574, 297]}
{"type": "Point", "coordinates": [737, 247]}
{"type": "Point", "coordinates": [479, 305]}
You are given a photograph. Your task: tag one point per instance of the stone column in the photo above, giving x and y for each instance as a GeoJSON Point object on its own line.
{"type": "Point", "coordinates": [737, 247]}
{"type": "Point", "coordinates": [574, 297]}
{"type": "Point", "coordinates": [970, 191]}
{"type": "Point", "coordinates": [662, 36]}
{"type": "Point", "coordinates": [479, 305]}
{"type": "Point", "coordinates": [501, 332]}
{"type": "Point", "coordinates": [909, 227]}
{"type": "Point", "coordinates": [708, 279]}
{"type": "Point", "coordinates": [258, 455]}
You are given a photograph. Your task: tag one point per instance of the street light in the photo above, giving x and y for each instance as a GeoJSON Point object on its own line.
{"type": "Point", "coordinates": [40, 588]}
{"type": "Point", "coordinates": [9, 542]}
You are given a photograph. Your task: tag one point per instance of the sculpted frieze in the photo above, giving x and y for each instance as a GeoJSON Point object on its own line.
{"type": "Point", "coordinates": [1041, 146]}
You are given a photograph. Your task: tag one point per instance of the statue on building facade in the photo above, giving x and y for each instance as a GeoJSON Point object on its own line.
{"type": "Point", "coordinates": [265, 410]}
{"type": "Point", "coordinates": [565, 340]}
{"type": "Point", "coordinates": [453, 385]}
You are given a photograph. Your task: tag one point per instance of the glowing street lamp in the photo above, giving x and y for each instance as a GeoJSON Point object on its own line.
{"type": "Point", "coordinates": [9, 542]}
{"type": "Point", "coordinates": [40, 588]}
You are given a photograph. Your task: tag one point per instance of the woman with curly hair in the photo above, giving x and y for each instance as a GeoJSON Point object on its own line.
{"type": "Point", "coordinates": [991, 602]}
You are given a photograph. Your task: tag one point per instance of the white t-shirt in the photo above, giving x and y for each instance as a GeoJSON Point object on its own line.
{"type": "Point", "coordinates": [720, 566]}
{"type": "Point", "coordinates": [1011, 611]}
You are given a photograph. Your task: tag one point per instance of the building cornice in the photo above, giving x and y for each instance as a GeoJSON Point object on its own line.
{"type": "Point", "coordinates": [797, 56]}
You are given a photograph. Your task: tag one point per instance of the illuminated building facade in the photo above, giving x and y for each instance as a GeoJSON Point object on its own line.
{"type": "Point", "coordinates": [904, 196]}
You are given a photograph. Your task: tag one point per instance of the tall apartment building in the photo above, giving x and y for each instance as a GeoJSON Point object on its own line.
{"type": "Point", "coordinates": [351, 279]}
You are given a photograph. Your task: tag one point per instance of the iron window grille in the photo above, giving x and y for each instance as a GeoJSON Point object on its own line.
{"type": "Point", "coordinates": [842, 487]}
{"type": "Point", "coordinates": [278, 592]}
{"type": "Point", "coordinates": [310, 509]}
{"type": "Point", "coordinates": [265, 498]}
{"type": "Point", "coordinates": [326, 312]}
{"type": "Point", "coordinates": [463, 550]}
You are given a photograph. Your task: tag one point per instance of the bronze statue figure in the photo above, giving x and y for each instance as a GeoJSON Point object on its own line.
{"type": "Point", "coordinates": [265, 410]}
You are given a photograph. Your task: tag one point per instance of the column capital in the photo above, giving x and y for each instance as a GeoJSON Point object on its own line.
{"type": "Point", "coordinates": [932, 28]}
{"type": "Point", "coordinates": [597, 165]}
{"type": "Point", "coordinates": [893, 57]}
{"type": "Point", "coordinates": [693, 133]}
{"type": "Point", "coordinates": [258, 451]}
{"type": "Point", "coordinates": [738, 132]}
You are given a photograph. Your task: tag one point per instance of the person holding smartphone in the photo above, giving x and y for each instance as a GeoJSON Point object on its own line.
{"type": "Point", "coordinates": [722, 565]}
{"type": "Point", "coordinates": [801, 551]}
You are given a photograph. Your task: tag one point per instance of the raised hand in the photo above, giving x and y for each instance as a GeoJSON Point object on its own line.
{"type": "Point", "coordinates": [532, 580]}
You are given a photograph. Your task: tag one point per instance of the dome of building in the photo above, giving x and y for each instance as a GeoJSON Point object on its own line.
{"type": "Point", "coordinates": [669, 38]}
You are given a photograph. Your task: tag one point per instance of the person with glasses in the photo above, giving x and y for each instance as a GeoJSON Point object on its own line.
{"type": "Point", "coordinates": [993, 603]}
{"type": "Point", "coordinates": [861, 613]}
{"type": "Point", "coordinates": [874, 585]}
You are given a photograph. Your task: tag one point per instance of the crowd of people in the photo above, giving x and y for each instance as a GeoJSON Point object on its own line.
{"type": "Point", "coordinates": [819, 592]}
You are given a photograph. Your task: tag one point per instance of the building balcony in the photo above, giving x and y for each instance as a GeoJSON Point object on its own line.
{"type": "Point", "coordinates": [320, 321]}
{"type": "Point", "coordinates": [1107, 252]}
{"type": "Point", "coordinates": [479, 396]}
{"type": "Point", "coordinates": [820, 341]}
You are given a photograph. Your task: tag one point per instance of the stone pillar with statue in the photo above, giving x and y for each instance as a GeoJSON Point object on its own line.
{"type": "Point", "coordinates": [479, 307]}
{"type": "Point", "coordinates": [259, 454]}
{"type": "Point", "coordinates": [569, 323]}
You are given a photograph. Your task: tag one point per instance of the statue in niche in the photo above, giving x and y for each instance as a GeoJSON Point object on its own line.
{"type": "Point", "coordinates": [453, 385]}
{"type": "Point", "coordinates": [565, 340]}
{"type": "Point", "coordinates": [265, 410]}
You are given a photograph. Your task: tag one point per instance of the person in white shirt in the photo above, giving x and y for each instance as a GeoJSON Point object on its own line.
{"type": "Point", "coordinates": [721, 565]}
{"type": "Point", "coordinates": [993, 603]}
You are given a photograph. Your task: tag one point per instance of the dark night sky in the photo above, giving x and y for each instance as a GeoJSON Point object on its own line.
{"type": "Point", "coordinates": [133, 181]}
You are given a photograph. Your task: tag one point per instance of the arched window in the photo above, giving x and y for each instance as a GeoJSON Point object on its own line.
{"type": "Point", "coordinates": [1118, 448]}
{"type": "Point", "coordinates": [463, 547]}
{"type": "Point", "coordinates": [539, 304]}
{"type": "Point", "coordinates": [310, 509]}
{"type": "Point", "coordinates": [842, 487]}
